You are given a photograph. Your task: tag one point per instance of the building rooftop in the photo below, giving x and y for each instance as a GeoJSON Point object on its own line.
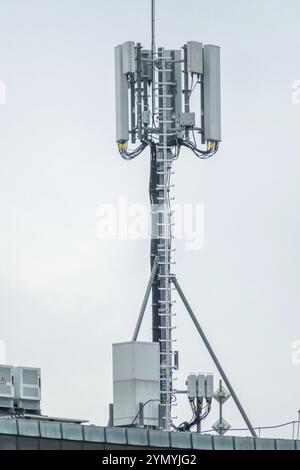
{"type": "Point", "coordinates": [36, 434]}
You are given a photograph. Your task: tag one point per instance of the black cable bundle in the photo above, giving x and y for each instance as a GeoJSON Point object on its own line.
{"type": "Point", "coordinates": [130, 155]}
{"type": "Point", "coordinates": [196, 418]}
{"type": "Point", "coordinates": [203, 154]}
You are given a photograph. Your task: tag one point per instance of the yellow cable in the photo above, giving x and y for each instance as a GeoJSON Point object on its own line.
{"type": "Point", "coordinates": [212, 146]}
{"type": "Point", "coordinates": [122, 146]}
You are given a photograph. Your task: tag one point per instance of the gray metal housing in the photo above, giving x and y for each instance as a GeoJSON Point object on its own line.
{"type": "Point", "coordinates": [209, 386]}
{"type": "Point", "coordinates": [201, 385]}
{"type": "Point", "coordinates": [122, 109]}
{"type": "Point", "coordinates": [128, 57]}
{"type": "Point", "coordinates": [212, 94]}
{"type": "Point", "coordinates": [195, 57]}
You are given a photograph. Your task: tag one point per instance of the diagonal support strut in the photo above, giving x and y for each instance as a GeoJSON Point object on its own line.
{"type": "Point", "coordinates": [214, 357]}
{"type": "Point", "coordinates": [145, 301]}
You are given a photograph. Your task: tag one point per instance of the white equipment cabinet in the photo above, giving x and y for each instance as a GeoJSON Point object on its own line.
{"type": "Point", "coordinates": [136, 379]}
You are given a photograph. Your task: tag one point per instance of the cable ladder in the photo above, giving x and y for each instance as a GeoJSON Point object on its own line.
{"type": "Point", "coordinates": [164, 171]}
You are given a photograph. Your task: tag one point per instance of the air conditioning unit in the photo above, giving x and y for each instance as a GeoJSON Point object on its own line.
{"type": "Point", "coordinates": [28, 389]}
{"type": "Point", "coordinates": [6, 387]}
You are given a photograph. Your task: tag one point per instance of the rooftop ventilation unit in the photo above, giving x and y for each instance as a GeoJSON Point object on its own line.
{"type": "Point", "coordinates": [6, 387]}
{"type": "Point", "coordinates": [28, 389]}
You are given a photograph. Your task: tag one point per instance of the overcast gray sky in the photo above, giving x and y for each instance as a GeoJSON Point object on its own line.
{"type": "Point", "coordinates": [65, 295]}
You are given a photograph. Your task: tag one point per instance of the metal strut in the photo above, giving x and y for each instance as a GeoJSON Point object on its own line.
{"type": "Point", "coordinates": [202, 334]}
{"type": "Point", "coordinates": [214, 357]}
{"type": "Point", "coordinates": [145, 301]}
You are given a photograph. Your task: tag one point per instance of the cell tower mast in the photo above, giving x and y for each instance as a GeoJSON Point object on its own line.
{"type": "Point", "coordinates": [166, 124]}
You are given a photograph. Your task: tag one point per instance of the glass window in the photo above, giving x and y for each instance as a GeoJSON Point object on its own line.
{"type": "Point", "coordinates": [8, 426]}
{"type": "Point", "coordinates": [50, 430]}
{"type": "Point", "coordinates": [285, 444]}
{"type": "Point", "coordinates": [202, 442]}
{"type": "Point", "coordinates": [93, 434]}
{"type": "Point", "coordinates": [137, 437]}
{"type": "Point", "coordinates": [159, 439]}
{"type": "Point", "coordinates": [181, 440]}
{"type": "Point", "coordinates": [244, 443]}
{"type": "Point", "coordinates": [223, 443]}
{"type": "Point", "coordinates": [116, 435]}
{"type": "Point", "coordinates": [264, 444]}
{"type": "Point", "coordinates": [28, 427]}
{"type": "Point", "coordinates": [72, 432]}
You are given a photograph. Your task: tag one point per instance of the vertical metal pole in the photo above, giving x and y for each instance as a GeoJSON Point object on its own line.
{"type": "Point", "coordinates": [199, 406]}
{"type": "Point", "coordinates": [145, 98]}
{"type": "Point", "coordinates": [298, 428]}
{"type": "Point", "coordinates": [111, 415]}
{"type": "Point", "coordinates": [199, 427]}
{"type": "Point", "coordinates": [153, 190]}
{"type": "Point", "coordinates": [202, 110]}
{"type": "Point", "coordinates": [220, 405]}
{"type": "Point", "coordinates": [139, 90]}
{"type": "Point", "coordinates": [141, 415]}
{"type": "Point", "coordinates": [160, 417]}
{"type": "Point", "coordinates": [293, 433]}
{"type": "Point", "coordinates": [186, 87]}
{"type": "Point", "coordinates": [153, 193]}
{"type": "Point", "coordinates": [153, 49]}
{"type": "Point", "coordinates": [132, 108]}
{"type": "Point", "coordinates": [153, 24]}
{"type": "Point", "coordinates": [154, 182]}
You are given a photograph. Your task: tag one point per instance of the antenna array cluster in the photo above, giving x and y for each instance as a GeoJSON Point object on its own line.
{"type": "Point", "coordinates": [193, 66]}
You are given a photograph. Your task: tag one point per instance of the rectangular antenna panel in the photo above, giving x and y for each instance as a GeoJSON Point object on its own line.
{"type": "Point", "coordinates": [212, 94]}
{"type": "Point", "coordinates": [178, 80]}
{"type": "Point", "coordinates": [209, 386]}
{"type": "Point", "coordinates": [192, 386]}
{"type": "Point", "coordinates": [201, 386]}
{"type": "Point", "coordinates": [128, 56]}
{"type": "Point", "coordinates": [195, 57]}
{"type": "Point", "coordinates": [122, 108]}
